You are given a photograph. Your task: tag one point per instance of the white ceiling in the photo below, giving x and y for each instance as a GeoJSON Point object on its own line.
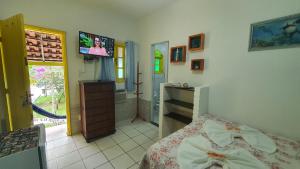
{"type": "Point", "coordinates": [132, 8]}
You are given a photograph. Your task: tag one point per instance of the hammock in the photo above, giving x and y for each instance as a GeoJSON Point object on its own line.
{"type": "Point", "coordinates": [46, 113]}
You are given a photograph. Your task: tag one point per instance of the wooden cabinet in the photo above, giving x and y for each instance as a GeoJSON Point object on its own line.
{"type": "Point", "coordinates": [97, 107]}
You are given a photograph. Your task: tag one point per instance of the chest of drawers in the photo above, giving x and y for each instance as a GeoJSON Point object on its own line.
{"type": "Point", "coordinates": [97, 106]}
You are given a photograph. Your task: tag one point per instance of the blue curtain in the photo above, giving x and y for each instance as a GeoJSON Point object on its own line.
{"type": "Point", "coordinates": [130, 66]}
{"type": "Point", "coordinates": [107, 69]}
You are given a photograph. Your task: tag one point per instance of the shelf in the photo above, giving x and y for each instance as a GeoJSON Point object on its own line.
{"type": "Point", "coordinates": [180, 103]}
{"type": "Point", "coordinates": [179, 117]}
{"type": "Point", "coordinates": [182, 88]}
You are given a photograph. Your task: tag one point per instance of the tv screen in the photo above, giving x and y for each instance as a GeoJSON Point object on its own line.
{"type": "Point", "coordinates": [90, 44]}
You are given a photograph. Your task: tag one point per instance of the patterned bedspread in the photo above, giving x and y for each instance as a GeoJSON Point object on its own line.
{"type": "Point", "coordinates": [162, 155]}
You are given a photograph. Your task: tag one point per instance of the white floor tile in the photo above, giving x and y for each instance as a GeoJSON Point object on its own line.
{"type": "Point", "coordinates": [78, 165]}
{"type": "Point", "coordinates": [50, 155]}
{"type": "Point", "coordinates": [135, 166]}
{"type": "Point", "coordinates": [74, 153]}
{"type": "Point", "coordinates": [113, 152]}
{"type": "Point", "coordinates": [132, 133]}
{"type": "Point", "coordinates": [82, 144]}
{"type": "Point", "coordinates": [105, 166]}
{"type": "Point", "coordinates": [88, 151]}
{"type": "Point", "coordinates": [65, 149]}
{"type": "Point", "coordinates": [105, 143]}
{"type": "Point", "coordinates": [141, 139]}
{"type": "Point", "coordinates": [122, 162]}
{"type": "Point", "coordinates": [152, 126]}
{"type": "Point", "coordinates": [143, 128]}
{"type": "Point", "coordinates": [123, 123]}
{"type": "Point", "coordinates": [78, 138]}
{"type": "Point", "coordinates": [120, 137]}
{"type": "Point", "coordinates": [137, 154]}
{"type": "Point", "coordinates": [148, 144]}
{"type": "Point", "coordinates": [94, 161]}
{"type": "Point", "coordinates": [68, 159]}
{"type": "Point", "coordinates": [50, 145]}
{"type": "Point", "coordinates": [126, 128]}
{"type": "Point", "coordinates": [128, 145]}
{"type": "Point", "coordinates": [139, 124]}
{"type": "Point", "coordinates": [63, 141]}
{"type": "Point", "coordinates": [52, 164]}
{"type": "Point", "coordinates": [152, 134]}
{"type": "Point", "coordinates": [56, 132]}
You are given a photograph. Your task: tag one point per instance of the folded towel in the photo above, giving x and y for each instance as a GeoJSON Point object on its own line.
{"type": "Point", "coordinates": [197, 153]}
{"type": "Point", "coordinates": [224, 135]}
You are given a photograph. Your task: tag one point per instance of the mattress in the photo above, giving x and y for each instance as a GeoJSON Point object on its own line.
{"type": "Point", "coordinates": [163, 154]}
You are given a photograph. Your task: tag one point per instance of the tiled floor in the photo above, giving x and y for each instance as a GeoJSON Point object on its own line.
{"type": "Point", "coordinates": [122, 150]}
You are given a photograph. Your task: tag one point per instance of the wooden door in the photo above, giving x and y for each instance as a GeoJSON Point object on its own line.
{"type": "Point", "coordinates": [4, 122]}
{"type": "Point", "coordinates": [16, 72]}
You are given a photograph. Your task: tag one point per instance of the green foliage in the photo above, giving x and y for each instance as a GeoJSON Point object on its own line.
{"type": "Point", "coordinates": [47, 77]}
{"type": "Point", "coordinates": [45, 103]}
{"type": "Point", "coordinates": [88, 42]}
{"type": "Point", "coordinates": [51, 80]}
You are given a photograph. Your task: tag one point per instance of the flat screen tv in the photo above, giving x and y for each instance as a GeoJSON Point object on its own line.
{"type": "Point", "coordinates": [95, 45]}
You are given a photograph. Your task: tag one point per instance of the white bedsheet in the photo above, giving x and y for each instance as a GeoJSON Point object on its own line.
{"type": "Point", "coordinates": [197, 153]}
{"type": "Point", "coordinates": [224, 135]}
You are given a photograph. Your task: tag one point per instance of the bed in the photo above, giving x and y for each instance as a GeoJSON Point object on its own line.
{"type": "Point", "coordinates": [162, 155]}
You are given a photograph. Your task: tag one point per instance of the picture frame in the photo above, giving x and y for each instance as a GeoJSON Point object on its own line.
{"type": "Point", "coordinates": [197, 64]}
{"type": "Point", "coordinates": [196, 42]}
{"type": "Point", "coordinates": [278, 33]}
{"type": "Point", "coordinates": [178, 54]}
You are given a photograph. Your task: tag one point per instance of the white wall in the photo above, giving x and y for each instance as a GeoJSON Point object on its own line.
{"type": "Point", "coordinates": [71, 16]}
{"type": "Point", "coordinates": [261, 89]}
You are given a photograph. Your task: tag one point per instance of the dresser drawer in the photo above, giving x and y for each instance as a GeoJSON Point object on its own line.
{"type": "Point", "coordinates": [95, 88]}
{"type": "Point", "coordinates": [98, 96]}
{"type": "Point", "coordinates": [99, 118]}
{"type": "Point", "coordinates": [99, 132]}
{"type": "Point", "coordinates": [100, 125]}
{"type": "Point", "coordinates": [99, 104]}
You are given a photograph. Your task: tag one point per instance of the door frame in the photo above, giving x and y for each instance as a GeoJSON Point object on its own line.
{"type": "Point", "coordinates": [166, 71]}
{"type": "Point", "coordinates": [64, 64]}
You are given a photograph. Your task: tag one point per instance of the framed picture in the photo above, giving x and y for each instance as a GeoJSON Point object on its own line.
{"type": "Point", "coordinates": [197, 64]}
{"type": "Point", "coordinates": [178, 54]}
{"type": "Point", "coordinates": [277, 33]}
{"type": "Point", "coordinates": [196, 42]}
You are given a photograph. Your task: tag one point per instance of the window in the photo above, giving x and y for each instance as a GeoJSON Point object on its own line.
{"type": "Point", "coordinates": [120, 62]}
{"type": "Point", "coordinates": [158, 62]}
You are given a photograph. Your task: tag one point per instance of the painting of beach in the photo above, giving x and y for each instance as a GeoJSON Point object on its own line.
{"type": "Point", "coordinates": [276, 33]}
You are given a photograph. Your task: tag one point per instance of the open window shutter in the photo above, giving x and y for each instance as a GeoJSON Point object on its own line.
{"type": "Point", "coordinates": [16, 72]}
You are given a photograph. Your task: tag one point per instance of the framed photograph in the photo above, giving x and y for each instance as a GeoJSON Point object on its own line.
{"type": "Point", "coordinates": [277, 33]}
{"type": "Point", "coordinates": [178, 54]}
{"type": "Point", "coordinates": [196, 42]}
{"type": "Point", "coordinates": [197, 64]}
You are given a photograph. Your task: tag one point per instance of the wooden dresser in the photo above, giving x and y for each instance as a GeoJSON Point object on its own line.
{"type": "Point", "coordinates": [97, 106]}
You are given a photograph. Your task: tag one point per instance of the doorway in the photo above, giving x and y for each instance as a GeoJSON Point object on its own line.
{"type": "Point", "coordinates": [159, 57]}
{"type": "Point", "coordinates": [48, 74]}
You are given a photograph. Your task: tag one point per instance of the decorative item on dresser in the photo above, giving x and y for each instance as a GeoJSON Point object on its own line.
{"type": "Point", "coordinates": [97, 106]}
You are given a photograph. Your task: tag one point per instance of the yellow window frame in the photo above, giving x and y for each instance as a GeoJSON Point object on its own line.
{"type": "Point", "coordinates": [64, 63]}
{"type": "Point", "coordinates": [117, 46]}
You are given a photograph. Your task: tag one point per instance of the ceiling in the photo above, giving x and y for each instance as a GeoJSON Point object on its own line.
{"type": "Point", "coordinates": [132, 8]}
